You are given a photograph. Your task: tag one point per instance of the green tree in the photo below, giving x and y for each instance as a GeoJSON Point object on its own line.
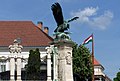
{"type": "Point", "coordinates": [33, 66]}
{"type": "Point", "coordinates": [82, 63]}
{"type": "Point", "coordinates": [117, 78]}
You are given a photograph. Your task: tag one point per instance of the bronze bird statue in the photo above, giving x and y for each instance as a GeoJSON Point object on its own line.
{"type": "Point", "coordinates": [58, 16]}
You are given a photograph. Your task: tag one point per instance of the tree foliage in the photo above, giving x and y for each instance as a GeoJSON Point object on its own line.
{"type": "Point", "coordinates": [117, 78]}
{"type": "Point", "coordinates": [33, 66]}
{"type": "Point", "coordinates": [82, 63]}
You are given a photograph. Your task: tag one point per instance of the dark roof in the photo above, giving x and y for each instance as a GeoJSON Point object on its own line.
{"type": "Point", "coordinates": [28, 32]}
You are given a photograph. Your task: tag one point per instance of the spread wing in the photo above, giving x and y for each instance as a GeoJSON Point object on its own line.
{"type": "Point", "coordinates": [57, 13]}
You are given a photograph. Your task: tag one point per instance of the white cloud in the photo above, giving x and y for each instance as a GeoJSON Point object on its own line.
{"type": "Point", "coordinates": [89, 16]}
{"type": "Point", "coordinates": [85, 14]}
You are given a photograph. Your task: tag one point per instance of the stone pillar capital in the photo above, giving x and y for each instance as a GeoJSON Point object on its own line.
{"type": "Point", "coordinates": [15, 48]}
{"type": "Point", "coordinates": [49, 51]}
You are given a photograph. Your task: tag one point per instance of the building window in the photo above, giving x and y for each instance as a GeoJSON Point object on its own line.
{"type": "Point", "coordinates": [3, 68]}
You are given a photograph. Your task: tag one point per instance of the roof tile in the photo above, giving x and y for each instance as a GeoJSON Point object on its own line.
{"type": "Point", "coordinates": [29, 33]}
{"type": "Point", "coordinates": [96, 62]}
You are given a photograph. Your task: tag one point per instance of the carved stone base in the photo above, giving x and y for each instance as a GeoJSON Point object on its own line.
{"type": "Point", "coordinates": [18, 80]}
{"type": "Point", "coordinates": [49, 80]}
{"type": "Point", "coordinates": [65, 72]}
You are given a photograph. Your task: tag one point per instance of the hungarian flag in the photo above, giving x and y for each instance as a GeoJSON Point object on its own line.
{"type": "Point", "coordinates": [89, 39]}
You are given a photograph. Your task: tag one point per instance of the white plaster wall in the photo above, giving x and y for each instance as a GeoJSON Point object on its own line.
{"type": "Point", "coordinates": [98, 71]}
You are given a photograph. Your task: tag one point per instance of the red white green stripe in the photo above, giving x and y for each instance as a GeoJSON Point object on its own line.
{"type": "Point", "coordinates": [89, 39]}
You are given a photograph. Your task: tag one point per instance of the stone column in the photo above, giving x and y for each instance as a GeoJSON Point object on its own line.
{"type": "Point", "coordinates": [18, 67]}
{"type": "Point", "coordinates": [100, 78]}
{"type": "Point", "coordinates": [12, 68]}
{"type": "Point", "coordinates": [65, 71]}
{"type": "Point", "coordinates": [48, 64]}
{"type": "Point", "coordinates": [55, 62]}
{"type": "Point", "coordinates": [15, 49]}
{"type": "Point", "coordinates": [7, 65]}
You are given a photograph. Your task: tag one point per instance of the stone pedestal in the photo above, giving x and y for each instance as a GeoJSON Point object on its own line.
{"type": "Point", "coordinates": [12, 68]}
{"type": "Point", "coordinates": [65, 71]}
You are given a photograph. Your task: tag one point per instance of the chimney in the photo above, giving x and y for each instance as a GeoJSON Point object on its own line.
{"type": "Point", "coordinates": [46, 30]}
{"type": "Point", "coordinates": [40, 24]}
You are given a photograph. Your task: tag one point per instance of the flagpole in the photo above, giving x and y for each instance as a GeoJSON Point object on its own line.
{"type": "Point", "coordinates": [93, 58]}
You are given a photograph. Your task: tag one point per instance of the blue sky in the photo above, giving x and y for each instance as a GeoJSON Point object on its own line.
{"type": "Point", "coordinates": [100, 17]}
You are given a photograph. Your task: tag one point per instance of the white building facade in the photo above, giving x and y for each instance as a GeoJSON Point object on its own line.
{"type": "Point", "coordinates": [99, 74]}
{"type": "Point", "coordinates": [5, 56]}
{"type": "Point", "coordinates": [30, 36]}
